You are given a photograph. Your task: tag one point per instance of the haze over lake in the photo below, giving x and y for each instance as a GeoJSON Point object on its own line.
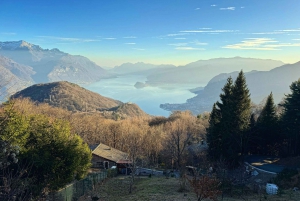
{"type": "Point", "coordinates": [148, 98]}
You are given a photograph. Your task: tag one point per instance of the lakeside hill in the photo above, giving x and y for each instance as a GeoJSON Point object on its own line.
{"type": "Point", "coordinates": [68, 96]}
{"type": "Point", "coordinates": [74, 98]}
{"type": "Point", "coordinates": [260, 84]}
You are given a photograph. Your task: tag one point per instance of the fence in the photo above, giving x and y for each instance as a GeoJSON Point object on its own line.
{"type": "Point", "coordinates": [77, 189]}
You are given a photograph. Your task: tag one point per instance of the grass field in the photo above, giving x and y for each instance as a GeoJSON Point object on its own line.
{"type": "Point", "coordinates": [162, 189]}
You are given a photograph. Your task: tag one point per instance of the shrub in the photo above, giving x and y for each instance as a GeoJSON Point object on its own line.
{"type": "Point", "coordinates": [286, 179]}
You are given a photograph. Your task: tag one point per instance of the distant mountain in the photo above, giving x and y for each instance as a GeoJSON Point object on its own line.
{"type": "Point", "coordinates": [68, 96]}
{"type": "Point", "coordinates": [139, 68]}
{"type": "Point", "coordinates": [52, 65]}
{"type": "Point", "coordinates": [260, 84]}
{"type": "Point", "coordinates": [13, 77]}
{"type": "Point", "coordinates": [201, 71]}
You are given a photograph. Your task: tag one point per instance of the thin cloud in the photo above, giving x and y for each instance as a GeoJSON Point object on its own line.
{"type": "Point", "coordinates": [197, 9]}
{"type": "Point", "coordinates": [213, 5]}
{"type": "Point", "coordinates": [8, 33]}
{"type": "Point", "coordinates": [180, 38]}
{"type": "Point", "coordinates": [296, 39]}
{"type": "Point", "coordinates": [284, 45]}
{"type": "Point", "coordinates": [228, 8]}
{"type": "Point", "coordinates": [260, 44]}
{"type": "Point", "coordinates": [139, 49]}
{"type": "Point", "coordinates": [242, 7]}
{"type": "Point", "coordinates": [177, 34]}
{"type": "Point", "coordinates": [130, 37]}
{"type": "Point", "coordinates": [290, 30]}
{"type": "Point", "coordinates": [208, 31]}
{"type": "Point", "coordinates": [196, 42]}
{"type": "Point", "coordinates": [129, 43]}
{"type": "Point", "coordinates": [178, 44]}
{"type": "Point", "coordinates": [205, 28]}
{"type": "Point", "coordinates": [188, 48]}
{"type": "Point", "coordinates": [109, 38]}
{"type": "Point", "coordinates": [68, 39]}
{"type": "Point", "coordinates": [268, 33]}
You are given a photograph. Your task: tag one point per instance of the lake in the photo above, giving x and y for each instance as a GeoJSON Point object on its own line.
{"type": "Point", "coordinates": [148, 98]}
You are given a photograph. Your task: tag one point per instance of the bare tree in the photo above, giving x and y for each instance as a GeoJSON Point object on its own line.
{"type": "Point", "coordinates": [135, 148]}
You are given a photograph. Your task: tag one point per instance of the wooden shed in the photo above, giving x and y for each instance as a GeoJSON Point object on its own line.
{"type": "Point", "coordinates": [105, 157]}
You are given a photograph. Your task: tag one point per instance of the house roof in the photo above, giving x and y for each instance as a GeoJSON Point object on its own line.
{"type": "Point", "coordinates": [93, 146]}
{"type": "Point", "coordinates": [109, 153]}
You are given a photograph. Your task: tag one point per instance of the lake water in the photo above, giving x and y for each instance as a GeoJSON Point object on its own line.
{"type": "Point", "coordinates": [148, 98]}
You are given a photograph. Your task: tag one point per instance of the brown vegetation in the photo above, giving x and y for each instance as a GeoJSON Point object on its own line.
{"type": "Point", "coordinates": [163, 142]}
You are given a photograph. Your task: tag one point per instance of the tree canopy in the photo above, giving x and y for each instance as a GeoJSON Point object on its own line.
{"type": "Point", "coordinates": [230, 121]}
{"type": "Point", "coordinates": [291, 118]}
{"type": "Point", "coordinates": [50, 154]}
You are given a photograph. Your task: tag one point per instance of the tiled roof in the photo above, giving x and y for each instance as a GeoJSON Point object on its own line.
{"type": "Point", "coordinates": [109, 153]}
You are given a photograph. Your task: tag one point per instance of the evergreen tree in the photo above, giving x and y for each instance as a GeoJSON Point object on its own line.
{"type": "Point", "coordinates": [267, 128]}
{"type": "Point", "coordinates": [253, 137]}
{"type": "Point", "coordinates": [213, 135]}
{"type": "Point", "coordinates": [291, 118]}
{"type": "Point", "coordinates": [234, 121]}
{"type": "Point", "coordinates": [241, 112]}
{"type": "Point", "coordinates": [224, 127]}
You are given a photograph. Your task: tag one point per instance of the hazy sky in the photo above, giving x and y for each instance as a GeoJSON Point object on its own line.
{"type": "Point", "coordinates": [111, 32]}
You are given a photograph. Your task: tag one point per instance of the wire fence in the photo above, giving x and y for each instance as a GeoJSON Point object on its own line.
{"type": "Point", "coordinates": [77, 189]}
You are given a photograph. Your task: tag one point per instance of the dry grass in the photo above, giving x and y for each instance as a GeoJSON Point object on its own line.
{"type": "Point", "coordinates": [162, 189]}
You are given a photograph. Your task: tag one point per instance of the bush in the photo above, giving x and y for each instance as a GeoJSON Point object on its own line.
{"type": "Point", "coordinates": [112, 173]}
{"type": "Point", "coordinates": [286, 179]}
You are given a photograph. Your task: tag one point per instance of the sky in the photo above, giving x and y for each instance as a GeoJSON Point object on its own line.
{"type": "Point", "coordinates": [112, 32]}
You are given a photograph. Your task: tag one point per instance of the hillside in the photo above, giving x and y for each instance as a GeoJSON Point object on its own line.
{"type": "Point", "coordinates": [52, 65]}
{"type": "Point", "coordinates": [200, 72]}
{"type": "Point", "coordinates": [13, 77]}
{"type": "Point", "coordinates": [68, 96]}
{"type": "Point", "coordinates": [139, 68]}
{"type": "Point", "coordinates": [128, 110]}
{"type": "Point", "coordinates": [260, 84]}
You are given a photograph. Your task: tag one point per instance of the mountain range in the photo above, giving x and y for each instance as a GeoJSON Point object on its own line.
{"type": "Point", "coordinates": [23, 64]}
{"type": "Point", "coordinates": [43, 65]}
{"type": "Point", "coordinates": [199, 72]}
{"type": "Point", "coordinates": [260, 84]}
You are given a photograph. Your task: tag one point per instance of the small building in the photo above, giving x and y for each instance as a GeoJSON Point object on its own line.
{"type": "Point", "coordinates": [105, 157]}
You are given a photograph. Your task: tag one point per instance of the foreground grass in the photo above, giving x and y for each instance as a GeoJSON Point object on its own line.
{"type": "Point", "coordinates": [145, 188]}
{"type": "Point", "coordinates": [162, 189]}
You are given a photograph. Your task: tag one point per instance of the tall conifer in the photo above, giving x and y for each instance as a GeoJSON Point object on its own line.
{"type": "Point", "coordinates": [241, 111]}
{"type": "Point", "coordinates": [234, 120]}
{"type": "Point", "coordinates": [267, 128]}
{"type": "Point", "coordinates": [291, 118]}
{"type": "Point", "coordinates": [213, 134]}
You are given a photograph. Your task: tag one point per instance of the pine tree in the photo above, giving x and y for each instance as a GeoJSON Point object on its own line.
{"type": "Point", "coordinates": [241, 112]}
{"type": "Point", "coordinates": [291, 118]}
{"type": "Point", "coordinates": [213, 135]}
{"type": "Point", "coordinates": [234, 120]}
{"type": "Point", "coordinates": [267, 128]}
{"type": "Point", "coordinates": [224, 127]}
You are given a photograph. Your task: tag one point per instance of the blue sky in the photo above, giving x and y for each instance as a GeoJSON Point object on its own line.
{"type": "Point", "coordinates": [112, 32]}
